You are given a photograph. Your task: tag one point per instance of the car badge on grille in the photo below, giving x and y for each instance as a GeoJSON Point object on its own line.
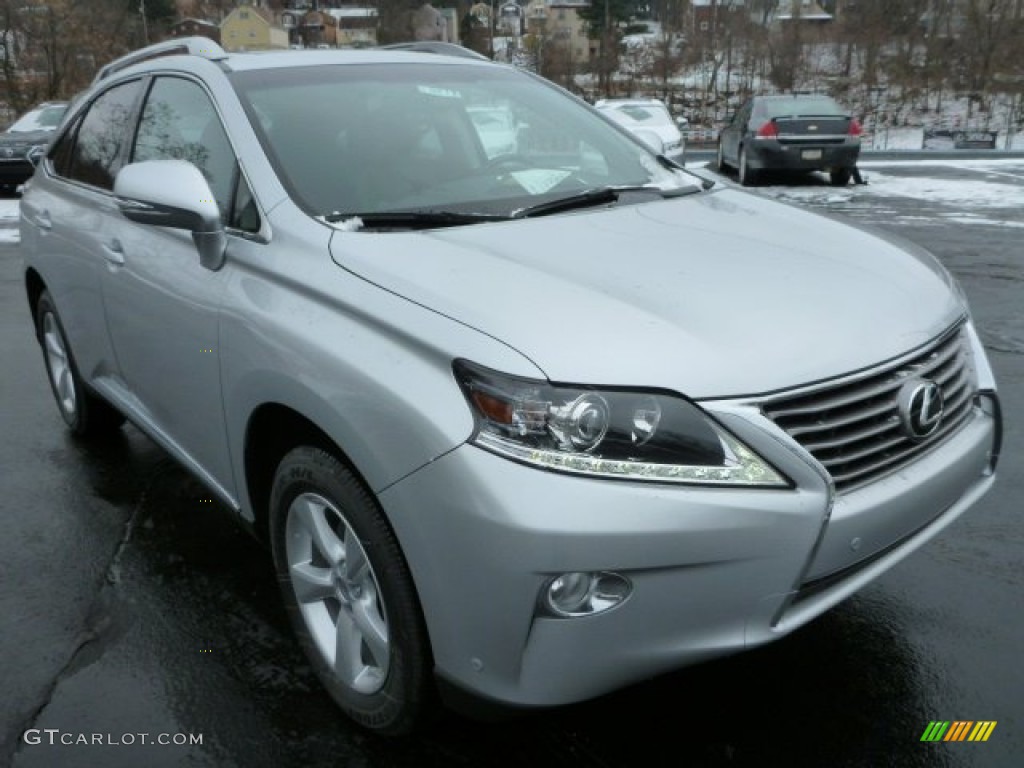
{"type": "Point", "coordinates": [812, 127]}
{"type": "Point", "coordinates": [920, 408]}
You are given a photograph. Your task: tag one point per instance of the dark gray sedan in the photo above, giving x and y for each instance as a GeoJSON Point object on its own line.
{"type": "Point", "coordinates": [29, 134]}
{"type": "Point", "coordinates": [792, 133]}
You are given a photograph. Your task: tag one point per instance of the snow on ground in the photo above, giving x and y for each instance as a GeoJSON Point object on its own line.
{"type": "Point", "coordinates": [987, 193]}
{"type": "Point", "coordinates": [9, 221]}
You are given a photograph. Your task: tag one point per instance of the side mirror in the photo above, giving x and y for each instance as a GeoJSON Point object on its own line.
{"type": "Point", "coordinates": [173, 193]}
{"type": "Point", "coordinates": [36, 154]}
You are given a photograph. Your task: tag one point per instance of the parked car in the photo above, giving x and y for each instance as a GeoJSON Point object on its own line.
{"type": "Point", "coordinates": [647, 117]}
{"type": "Point", "coordinates": [790, 133]}
{"type": "Point", "coordinates": [530, 427]}
{"type": "Point", "coordinates": [28, 134]}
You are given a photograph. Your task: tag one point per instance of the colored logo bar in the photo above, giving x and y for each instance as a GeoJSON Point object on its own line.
{"type": "Point", "coordinates": [958, 730]}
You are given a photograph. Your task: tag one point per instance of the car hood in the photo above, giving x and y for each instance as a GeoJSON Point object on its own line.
{"type": "Point", "coordinates": [713, 295]}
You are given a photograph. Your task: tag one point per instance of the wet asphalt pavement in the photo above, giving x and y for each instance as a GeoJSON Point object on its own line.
{"type": "Point", "coordinates": [130, 605]}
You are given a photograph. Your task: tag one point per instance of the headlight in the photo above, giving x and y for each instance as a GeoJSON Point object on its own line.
{"type": "Point", "coordinates": [607, 433]}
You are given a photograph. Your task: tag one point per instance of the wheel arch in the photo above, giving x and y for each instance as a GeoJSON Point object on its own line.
{"type": "Point", "coordinates": [274, 429]}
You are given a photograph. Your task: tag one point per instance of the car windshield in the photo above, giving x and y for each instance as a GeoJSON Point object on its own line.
{"type": "Point", "coordinates": [360, 139]}
{"type": "Point", "coordinates": [801, 105]}
{"type": "Point", "coordinates": [41, 119]}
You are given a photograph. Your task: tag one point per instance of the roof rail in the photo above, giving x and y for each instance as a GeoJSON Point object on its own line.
{"type": "Point", "coordinates": [436, 46]}
{"type": "Point", "coordinates": [195, 46]}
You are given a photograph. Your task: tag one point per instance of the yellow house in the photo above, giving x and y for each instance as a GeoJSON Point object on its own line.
{"type": "Point", "coordinates": [248, 28]}
{"type": "Point", "coordinates": [558, 21]}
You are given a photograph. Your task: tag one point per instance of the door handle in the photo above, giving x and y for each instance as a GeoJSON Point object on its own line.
{"type": "Point", "coordinates": [114, 252]}
{"type": "Point", "coordinates": [43, 220]}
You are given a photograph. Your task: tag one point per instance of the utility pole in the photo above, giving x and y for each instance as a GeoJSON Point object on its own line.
{"type": "Point", "coordinates": [145, 24]}
{"type": "Point", "coordinates": [606, 66]}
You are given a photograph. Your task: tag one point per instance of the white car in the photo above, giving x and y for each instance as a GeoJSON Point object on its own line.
{"type": "Point", "coordinates": [644, 117]}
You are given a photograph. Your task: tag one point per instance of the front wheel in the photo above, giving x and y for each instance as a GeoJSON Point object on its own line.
{"type": "Point", "coordinates": [348, 592]}
{"type": "Point", "coordinates": [85, 414]}
{"type": "Point", "coordinates": [722, 165]}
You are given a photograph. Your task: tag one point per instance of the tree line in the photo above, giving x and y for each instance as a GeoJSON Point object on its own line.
{"type": "Point", "coordinates": [903, 54]}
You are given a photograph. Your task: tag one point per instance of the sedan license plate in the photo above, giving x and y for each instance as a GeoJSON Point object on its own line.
{"type": "Point", "coordinates": [811, 154]}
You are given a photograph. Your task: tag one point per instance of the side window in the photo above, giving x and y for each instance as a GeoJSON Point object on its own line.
{"type": "Point", "coordinates": [179, 122]}
{"type": "Point", "coordinates": [95, 157]}
{"type": "Point", "coordinates": [61, 152]}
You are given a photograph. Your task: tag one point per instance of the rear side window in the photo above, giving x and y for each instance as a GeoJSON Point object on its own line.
{"type": "Point", "coordinates": [95, 157]}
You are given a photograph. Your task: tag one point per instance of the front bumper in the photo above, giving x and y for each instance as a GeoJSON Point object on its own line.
{"type": "Point", "coordinates": [713, 570]}
{"type": "Point", "coordinates": [15, 170]}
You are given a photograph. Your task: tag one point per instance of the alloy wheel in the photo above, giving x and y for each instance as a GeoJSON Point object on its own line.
{"type": "Point", "coordinates": [337, 593]}
{"type": "Point", "coordinates": [59, 366]}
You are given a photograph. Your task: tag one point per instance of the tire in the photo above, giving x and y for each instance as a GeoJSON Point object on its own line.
{"type": "Point", "coordinates": [86, 414]}
{"type": "Point", "coordinates": [747, 175]}
{"type": "Point", "coordinates": [324, 523]}
{"type": "Point", "coordinates": [722, 165]}
{"type": "Point", "coordinates": [840, 177]}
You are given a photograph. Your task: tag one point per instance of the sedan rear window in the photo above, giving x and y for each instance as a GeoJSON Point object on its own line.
{"type": "Point", "coordinates": [800, 106]}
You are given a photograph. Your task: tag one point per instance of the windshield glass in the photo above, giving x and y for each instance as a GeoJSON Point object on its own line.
{"type": "Point", "coordinates": [411, 137]}
{"type": "Point", "coordinates": [42, 119]}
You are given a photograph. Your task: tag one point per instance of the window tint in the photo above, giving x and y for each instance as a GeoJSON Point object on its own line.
{"type": "Point", "coordinates": [179, 122]}
{"type": "Point", "coordinates": [104, 130]}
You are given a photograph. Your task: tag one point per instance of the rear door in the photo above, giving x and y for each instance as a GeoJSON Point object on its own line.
{"type": "Point", "coordinates": [732, 134]}
{"type": "Point", "coordinates": [68, 212]}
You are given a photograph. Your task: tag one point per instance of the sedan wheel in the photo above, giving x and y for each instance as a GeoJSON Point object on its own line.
{"type": "Point", "coordinates": [85, 413]}
{"type": "Point", "coordinates": [348, 592]}
{"type": "Point", "coordinates": [747, 175]}
{"type": "Point", "coordinates": [840, 177]}
{"type": "Point", "coordinates": [721, 158]}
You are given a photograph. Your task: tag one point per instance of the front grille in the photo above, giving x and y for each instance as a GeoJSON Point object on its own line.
{"type": "Point", "coordinates": [853, 428]}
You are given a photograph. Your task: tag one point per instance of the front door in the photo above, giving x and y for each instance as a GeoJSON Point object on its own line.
{"type": "Point", "coordinates": [162, 306]}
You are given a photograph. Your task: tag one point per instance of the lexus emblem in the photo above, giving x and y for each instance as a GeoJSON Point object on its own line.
{"type": "Point", "coordinates": [812, 127]}
{"type": "Point", "coordinates": [920, 407]}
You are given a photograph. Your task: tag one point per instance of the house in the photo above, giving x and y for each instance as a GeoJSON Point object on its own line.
{"type": "Point", "coordinates": [805, 11]}
{"type": "Point", "coordinates": [196, 28]}
{"type": "Point", "coordinates": [317, 29]}
{"type": "Point", "coordinates": [357, 26]}
{"type": "Point", "coordinates": [251, 28]}
{"type": "Point", "coordinates": [559, 22]}
{"type": "Point", "coordinates": [707, 15]}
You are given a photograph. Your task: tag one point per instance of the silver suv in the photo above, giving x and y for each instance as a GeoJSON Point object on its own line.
{"type": "Point", "coordinates": [534, 422]}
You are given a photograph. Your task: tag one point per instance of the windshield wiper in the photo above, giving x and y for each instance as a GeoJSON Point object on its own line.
{"type": "Point", "coordinates": [425, 219]}
{"type": "Point", "coordinates": [599, 196]}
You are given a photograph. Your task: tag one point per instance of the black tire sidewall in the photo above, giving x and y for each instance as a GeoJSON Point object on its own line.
{"type": "Point", "coordinates": [77, 422]}
{"type": "Point", "coordinates": [395, 708]}
{"type": "Point", "coordinates": [840, 177]}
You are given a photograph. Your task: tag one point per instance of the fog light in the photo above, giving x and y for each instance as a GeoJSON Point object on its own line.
{"type": "Point", "coordinates": [584, 594]}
